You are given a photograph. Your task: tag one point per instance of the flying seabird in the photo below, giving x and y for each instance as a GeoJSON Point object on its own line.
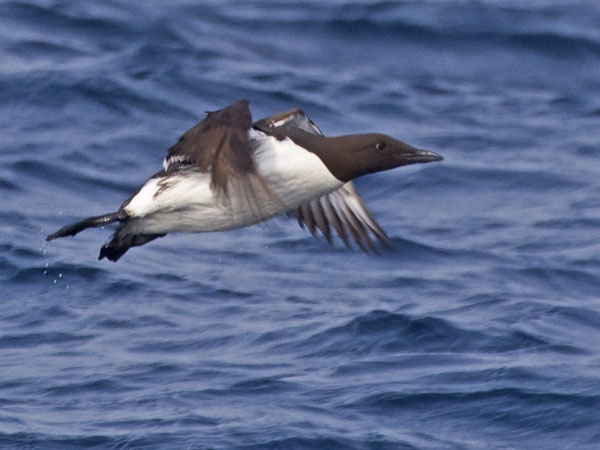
{"type": "Point", "coordinates": [227, 172]}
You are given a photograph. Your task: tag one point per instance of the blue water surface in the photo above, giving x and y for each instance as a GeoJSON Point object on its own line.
{"type": "Point", "coordinates": [479, 329]}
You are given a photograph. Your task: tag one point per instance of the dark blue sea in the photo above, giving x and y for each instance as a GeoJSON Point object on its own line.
{"type": "Point", "coordinates": [479, 329]}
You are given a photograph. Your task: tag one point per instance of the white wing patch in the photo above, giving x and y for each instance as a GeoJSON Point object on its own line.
{"type": "Point", "coordinates": [173, 159]}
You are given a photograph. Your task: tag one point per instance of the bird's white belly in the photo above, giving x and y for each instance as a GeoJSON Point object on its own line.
{"type": "Point", "coordinates": [186, 203]}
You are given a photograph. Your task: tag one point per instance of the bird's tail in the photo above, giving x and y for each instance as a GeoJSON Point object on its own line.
{"type": "Point", "coordinates": [90, 222]}
{"type": "Point", "coordinates": [122, 240]}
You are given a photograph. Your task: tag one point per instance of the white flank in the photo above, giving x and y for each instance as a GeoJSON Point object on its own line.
{"type": "Point", "coordinates": [184, 202]}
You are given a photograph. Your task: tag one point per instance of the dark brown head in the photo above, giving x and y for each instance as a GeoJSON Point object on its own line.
{"type": "Point", "coordinates": [351, 156]}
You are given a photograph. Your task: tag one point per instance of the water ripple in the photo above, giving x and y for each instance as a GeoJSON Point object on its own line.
{"type": "Point", "coordinates": [477, 329]}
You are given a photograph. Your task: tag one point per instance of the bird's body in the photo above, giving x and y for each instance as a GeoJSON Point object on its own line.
{"type": "Point", "coordinates": [227, 172]}
{"type": "Point", "coordinates": [185, 202]}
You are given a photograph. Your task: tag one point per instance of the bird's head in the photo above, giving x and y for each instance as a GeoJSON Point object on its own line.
{"type": "Point", "coordinates": [360, 154]}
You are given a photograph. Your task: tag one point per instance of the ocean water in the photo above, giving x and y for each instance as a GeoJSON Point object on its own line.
{"type": "Point", "coordinates": [479, 329]}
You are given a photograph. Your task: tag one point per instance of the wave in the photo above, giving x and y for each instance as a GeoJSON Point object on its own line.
{"type": "Point", "coordinates": [477, 329]}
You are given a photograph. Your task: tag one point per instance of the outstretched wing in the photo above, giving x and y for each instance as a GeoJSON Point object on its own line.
{"type": "Point", "coordinates": [345, 212]}
{"type": "Point", "coordinates": [219, 144]}
{"type": "Point", "coordinates": [342, 210]}
{"type": "Point", "coordinates": [292, 118]}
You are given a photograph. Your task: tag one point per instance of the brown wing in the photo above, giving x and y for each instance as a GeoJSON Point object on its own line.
{"type": "Point", "coordinates": [219, 143]}
{"type": "Point", "coordinates": [343, 210]}
{"type": "Point", "coordinates": [292, 118]}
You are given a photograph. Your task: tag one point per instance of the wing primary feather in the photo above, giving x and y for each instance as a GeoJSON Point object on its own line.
{"type": "Point", "coordinates": [364, 231]}
{"type": "Point", "coordinates": [354, 227]}
{"type": "Point", "coordinates": [335, 220]}
{"type": "Point", "coordinates": [338, 204]}
{"type": "Point", "coordinates": [377, 231]}
{"type": "Point", "coordinates": [321, 219]}
{"type": "Point", "coordinates": [308, 218]}
{"type": "Point", "coordinates": [362, 214]}
{"type": "Point", "coordinates": [299, 217]}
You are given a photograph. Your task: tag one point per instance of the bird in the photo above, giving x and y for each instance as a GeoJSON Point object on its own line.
{"type": "Point", "coordinates": [229, 172]}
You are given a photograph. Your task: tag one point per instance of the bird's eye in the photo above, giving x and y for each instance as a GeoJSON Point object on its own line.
{"type": "Point", "coordinates": [380, 145]}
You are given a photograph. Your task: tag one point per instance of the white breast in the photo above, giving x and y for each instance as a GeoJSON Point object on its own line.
{"type": "Point", "coordinates": [186, 203]}
{"type": "Point", "coordinates": [295, 175]}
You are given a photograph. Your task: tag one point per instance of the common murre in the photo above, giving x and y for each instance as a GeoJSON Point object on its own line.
{"type": "Point", "coordinates": [227, 172]}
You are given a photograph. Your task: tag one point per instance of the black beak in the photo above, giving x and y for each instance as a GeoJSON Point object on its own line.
{"type": "Point", "coordinates": [420, 156]}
